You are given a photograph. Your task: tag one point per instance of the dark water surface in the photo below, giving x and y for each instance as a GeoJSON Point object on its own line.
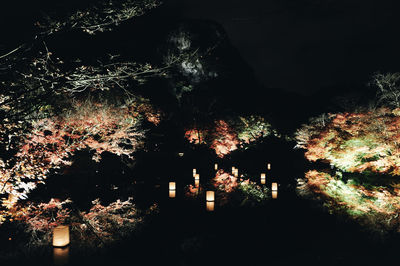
{"type": "Point", "coordinates": [285, 231]}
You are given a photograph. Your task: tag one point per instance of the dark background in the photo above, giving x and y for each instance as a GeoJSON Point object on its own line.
{"type": "Point", "coordinates": [289, 59]}
{"type": "Point", "coordinates": [295, 45]}
{"type": "Point", "coordinates": [308, 45]}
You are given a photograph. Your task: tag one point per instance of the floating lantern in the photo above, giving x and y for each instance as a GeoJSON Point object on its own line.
{"type": "Point", "coordinates": [275, 194]}
{"type": "Point", "coordinates": [274, 186]}
{"type": "Point", "coordinates": [210, 196]}
{"type": "Point", "coordinates": [180, 154]}
{"type": "Point", "coordinates": [194, 172]}
{"type": "Point", "coordinates": [233, 170]}
{"type": "Point", "coordinates": [172, 189]}
{"type": "Point", "coordinates": [269, 166]}
{"type": "Point", "coordinates": [216, 167]}
{"type": "Point", "coordinates": [197, 180]}
{"type": "Point", "coordinates": [61, 236]}
{"type": "Point", "coordinates": [263, 177]}
{"type": "Point", "coordinates": [61, 256]}
{"type": "Point", "coordinates": [210, 205]}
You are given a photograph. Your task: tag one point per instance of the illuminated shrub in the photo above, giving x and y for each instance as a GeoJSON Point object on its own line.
{"type": "Point", "coordinates": [232, 190]}
{"type": "Point", "coordinates": [364, 149]}
{"type": "Point", "coordinates": [252, 193]}
{"type": "Point", "coordinates": [98, 226]}
{"type": "Point", "coordinates": [375, 207]}
{"type": "Point", "coordinates": [355, 142]}
{"type": "Point", "coordinates": [225, 136]}
{"type": "Point", "coordinates": [51, 142]}
{"type": "Point", "coordinates": [224, 139]}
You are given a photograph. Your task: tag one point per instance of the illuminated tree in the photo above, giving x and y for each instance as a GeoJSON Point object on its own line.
{"type": "Point", "coordinates": [363, 150]}
{"type": "Point", "coordinates": [388, 89]}
{"type": "Point", "coordinates": [225, 136]}
{"type": "Point", "coordinates": [52, 107]}
{"type": "Point", "coordinates": [99, 17]}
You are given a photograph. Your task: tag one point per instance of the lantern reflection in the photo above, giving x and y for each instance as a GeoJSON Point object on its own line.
{"type": "Point", "coordinates": [210, 206]}
{"type": "Point", "coordinates": [196, 182]}
{"type": "Point", "coordinates": [61, 256]}
{"type": "Point", "coordinates": [275, 194]}
{"type": "Point", "coordinates": [61, 236]}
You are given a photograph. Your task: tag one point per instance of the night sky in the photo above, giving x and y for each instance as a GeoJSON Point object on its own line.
{"type": "Point", "coordinates": [307, 45]}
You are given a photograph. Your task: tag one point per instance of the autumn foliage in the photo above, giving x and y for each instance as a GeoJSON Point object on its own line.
{"type": "Point", "coordinates": [364, 153]}
{"type": "Point", "coordinates": [100, 225]}
{"type": "Point", "coordinates": [225, 136]}
{"type": "Point", "coordinates": [355, 142]}
{"type": "Point", "coordinates": [374, 207]}
{"type": "Point", "coordinates": [51, 142]}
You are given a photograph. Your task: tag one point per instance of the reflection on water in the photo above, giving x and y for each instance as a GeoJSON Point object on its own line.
{"type": "Point", "coordinates": [275, 194]}
{"type": "Point", "coordinates": [210, 206]}
{"type": "Point", "coordinates": [61, 256]}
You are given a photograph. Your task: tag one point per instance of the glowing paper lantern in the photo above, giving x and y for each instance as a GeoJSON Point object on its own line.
{"type": "Point", "coordinates": [210, 196]}
{"type": "Point", "coordinates": [233, 170]}
{"type": "Point", "coordinates": [269, 166]}
{"type": "Point", "coordinates": [275, 194]}
{"type": "Point", "coordinates": [263, 177]}
{"type": "Point", "coordinates": [215, 166]}
{"type": "Point", "coordinates": [210, 205]}
{"type": "Point", "coordinates": [196, 180]}
{"type": "Point", "coordinates": [194, 172]}
{"type": "Point", "coordinates": [172, 189]}
{"type": "Point", "coordinates": [61, 236]}
{"type": "Point", "coordinates": [61, 256]}
{"type": "Point", "coordinates": [180, 154]}
{"type": "Point", "coordinates": [274, 186]}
